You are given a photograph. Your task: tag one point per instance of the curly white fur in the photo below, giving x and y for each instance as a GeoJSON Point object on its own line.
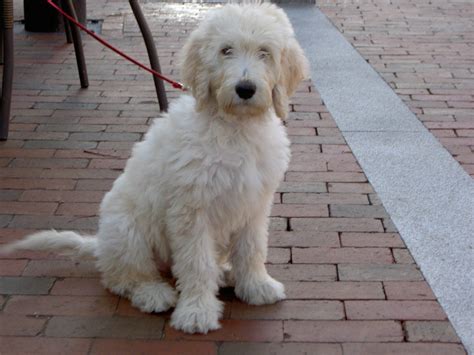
{"type": "Point", "coordinates": [198, 190]}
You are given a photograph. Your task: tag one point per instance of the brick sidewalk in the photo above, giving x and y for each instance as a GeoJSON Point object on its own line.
{"type": "Point", "coordinates": [352, 286]}
{"type": "Point", "coordinates": [425, 51]}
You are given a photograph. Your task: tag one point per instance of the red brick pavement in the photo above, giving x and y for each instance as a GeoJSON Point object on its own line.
{"type": "Point", "coordinates": [352, 285]}
{"type": "Point", "coordinates": [425, 50]}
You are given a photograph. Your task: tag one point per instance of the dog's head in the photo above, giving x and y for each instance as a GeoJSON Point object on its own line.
{"type": "Point", "coordinates": [242, 60]}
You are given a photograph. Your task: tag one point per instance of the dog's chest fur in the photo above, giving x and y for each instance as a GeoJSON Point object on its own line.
{"type": "Point", "coordinates": [187, 164]}
{"type": "Point", "coordinates": [242, 171]}
{"type": "Point", "coordinates": [228, 168]}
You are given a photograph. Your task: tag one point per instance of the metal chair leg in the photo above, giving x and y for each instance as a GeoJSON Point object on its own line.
{"type": "Point", "coordinates": [151, 49]}
{"type": "Point", "coordinates": [7, 84]}
{"type": "Point", "coordinates": [67, 27]}
{"type": "Point", "coordinates": [67, 30]}
{"type": "Point", "coordinates": [76, 37]}
{"type": "Point", "coordinates": [1, 37]}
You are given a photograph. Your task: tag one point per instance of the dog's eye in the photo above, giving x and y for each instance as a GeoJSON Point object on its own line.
{"type": "Point", "coordinates": [263, 53]}
{"type": "Point", "coordinates": [226, 51]}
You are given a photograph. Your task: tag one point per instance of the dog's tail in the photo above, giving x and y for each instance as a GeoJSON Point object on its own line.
{"type": "Point", "coordinates": [69, 243]}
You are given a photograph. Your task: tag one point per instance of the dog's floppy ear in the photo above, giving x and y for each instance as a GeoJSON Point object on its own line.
{"type": "Point", "coordinates": [193, 70]}
{"type": "Point", "coordinates": [294, 68]}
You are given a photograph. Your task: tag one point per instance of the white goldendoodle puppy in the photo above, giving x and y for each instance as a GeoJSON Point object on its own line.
{"type": "Point", "coordinates": [197, 192]}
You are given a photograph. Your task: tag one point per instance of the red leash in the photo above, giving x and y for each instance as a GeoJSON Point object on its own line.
{"type": "Point", "coordinates": [175, 84]}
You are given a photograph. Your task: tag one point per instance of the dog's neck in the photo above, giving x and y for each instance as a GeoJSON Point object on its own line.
{"type": "Point", "coordinates": [238, 120]}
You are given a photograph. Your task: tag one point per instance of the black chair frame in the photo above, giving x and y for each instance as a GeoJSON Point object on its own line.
{"type": "Point", "coordinates": [73, 35]}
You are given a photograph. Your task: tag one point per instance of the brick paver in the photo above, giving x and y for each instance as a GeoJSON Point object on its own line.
{"type": "Point", "coordinates": [424, 49]}
{"type": "Point", "coordinates": [351, 284]}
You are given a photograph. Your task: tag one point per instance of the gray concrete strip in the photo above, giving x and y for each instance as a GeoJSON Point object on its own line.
{"type": "Point", "coordinates": [360, 99]}
{"type": "Point", "coordinates": [429, 197]}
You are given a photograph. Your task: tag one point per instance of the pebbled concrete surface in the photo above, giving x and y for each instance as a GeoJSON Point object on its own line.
{"type": "Point", "coordinates": [353, 90]}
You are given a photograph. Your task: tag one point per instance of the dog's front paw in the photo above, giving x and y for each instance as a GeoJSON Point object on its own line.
{"type": "Point", "coordinates": [197, 316]}
{"type": "Point", "coordinates": [261, 291]}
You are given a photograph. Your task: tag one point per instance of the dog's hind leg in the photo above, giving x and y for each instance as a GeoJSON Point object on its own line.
{"type": "Point", "coordinates": [129, 269]}
{"type": "Point", "coordinates": [154, 296]}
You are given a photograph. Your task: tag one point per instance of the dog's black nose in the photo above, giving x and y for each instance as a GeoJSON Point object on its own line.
{"type": "Point", "coordinates": [245, 89]}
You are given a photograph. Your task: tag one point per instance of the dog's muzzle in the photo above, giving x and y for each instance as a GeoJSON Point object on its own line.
{"type": "Point", "coordinates": [245, 89]}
